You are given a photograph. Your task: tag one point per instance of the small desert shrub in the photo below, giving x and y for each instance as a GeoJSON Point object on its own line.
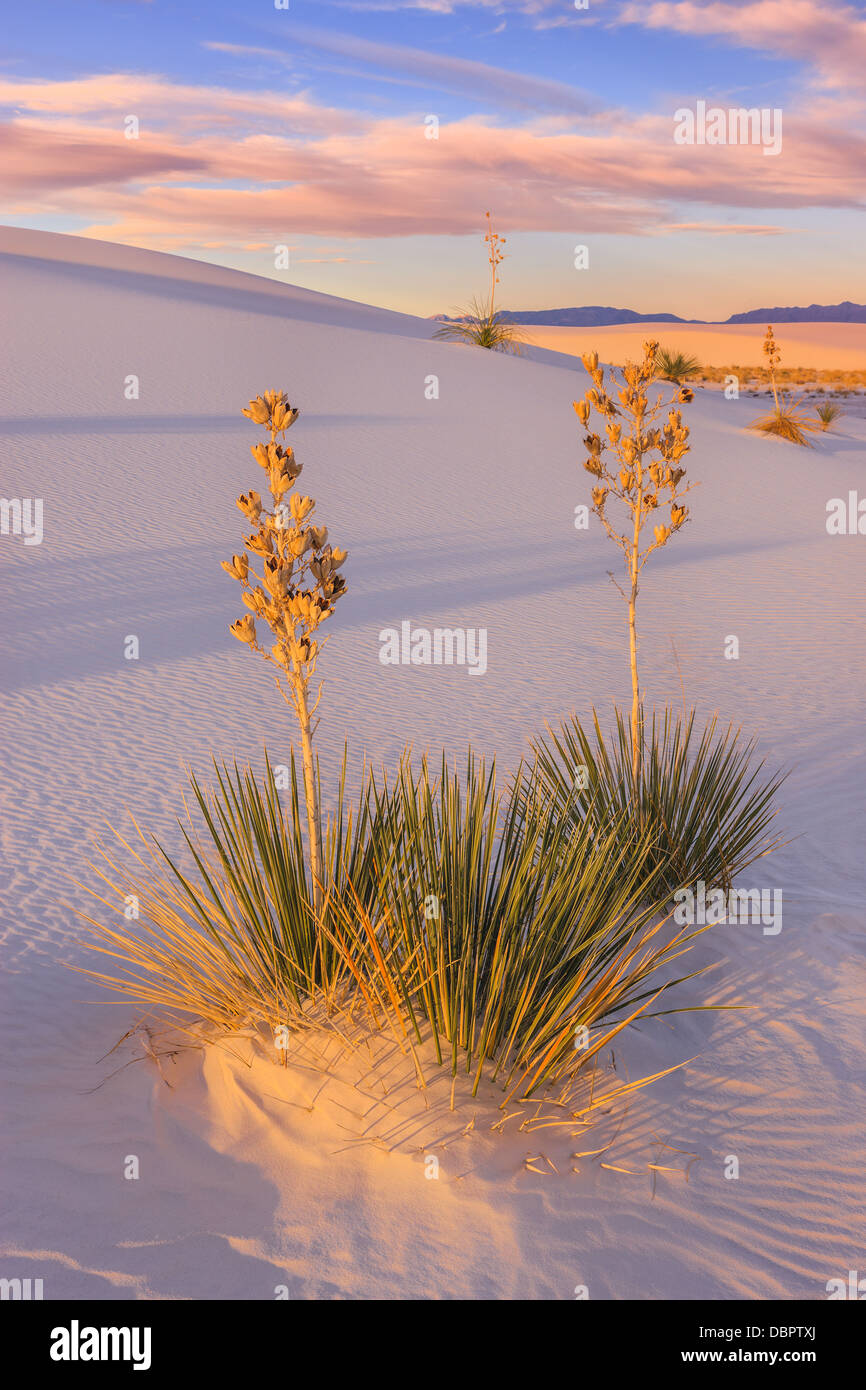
{"type": "Point", "coordinates": [486, 920]}
{"type": "Point", "coordinates": [704, 805]}
{"type": "Point", "coordinates": [828, 414]}
{"type": "Point", "coordinates": [485, 327]}
{"type": "Point", "coordinates": [787, 421]}
{"type": "Point", "coordinates": [675, 366]}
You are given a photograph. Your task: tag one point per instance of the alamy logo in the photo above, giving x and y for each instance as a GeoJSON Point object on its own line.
{"type": "Point", "coordinates": [22, 516]}
{"type": "Point", "coordinates": [854, 1287]}
{"type": "Point", "coordinates": [737, 126]}
{"type": "Point", "coordinates": [444, 646]}
{"type": "Point", "coordinates": [846, 518]}
{"type": "Point", "coordinates": [22, 1289]}
{"type": "Point", "coordinates": [76, 1343]}
{"type": "Point", "coordinates": [696, 907]}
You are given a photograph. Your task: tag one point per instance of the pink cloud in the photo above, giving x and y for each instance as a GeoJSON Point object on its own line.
{"type": "Point", "coordinates": [727, 228]}
{"type": "Point", "coordinates": [38, 159]}
{"type": "Point", "coordinates": [159, 103]}
{"type": "Point", "coordinates": [829, 37]}
{"type": "Point", "coordinates": [336, 173]}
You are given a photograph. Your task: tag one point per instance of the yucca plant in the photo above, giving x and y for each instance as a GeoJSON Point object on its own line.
{"type": "Point", "coordinates": [786, 421]}
{"type": "Point", "coordinates": [486, 328]}
{"type": "Point", "coordinates": [675, 366]}
{"type": "Point", "coordinates": [482, 324]}
{"type": "Point", "coordinates": [706, 806]}
{"type": "Point", "coordinates": [828, 414]}
{"type": "Point", "coordinates": [484, 921]}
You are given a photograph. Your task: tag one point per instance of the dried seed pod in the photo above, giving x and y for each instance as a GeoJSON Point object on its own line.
{"type": "Point", "coordinates": [298, 543]}
{"type": "Point", "coordinates": [300, 508]}
{"type": "Point", "coordinates": [260, 543]}
{"type": "Point", "coordinates": [244, 629]}
{"type": "Point", "coordinates": [250, 504]}
{"type": "Point", "coordinates": [237, 567]}
{"type": "Point", "coordinates": [277, 575]}
{"type": "Point", "coordinates": [258, 411]}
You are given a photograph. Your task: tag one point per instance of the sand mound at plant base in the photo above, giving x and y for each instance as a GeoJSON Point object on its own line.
{"type": "Point", "coordinates": [406, 1174]}
{"type": "Point", "coordinates": [374, 1093]}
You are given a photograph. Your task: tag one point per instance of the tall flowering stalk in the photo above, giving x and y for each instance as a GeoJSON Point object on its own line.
{"type": "Point", "coordinates": [638, 467]}
{"type": "Point", "coordinates": [295, 593]}
{"type": "Point", "coordinates": [495, 254]}
{"type": "Point", "coordinates": [774, 357]}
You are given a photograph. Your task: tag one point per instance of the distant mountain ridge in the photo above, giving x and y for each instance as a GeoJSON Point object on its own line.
{"type": "Point", "coordinates": [601, 316]}
{"type": "Point", "coordinates": [583, 316]}
{"type": "Point", "coordinates": [846, 312]}
{"type": "Point", "coordinates": [588, 316]}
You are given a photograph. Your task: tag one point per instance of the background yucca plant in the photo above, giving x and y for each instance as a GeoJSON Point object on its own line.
{"type": "Point", "coordinates": [786, 421]}
{"type": "Point", "coordinates": [828, 414]}
{"type": "Point", "coordinates": [675, 366]}
{"type": "Point", "coordinates": [485, 327]}
{"type": "Point", "coordinates": [705, 806]}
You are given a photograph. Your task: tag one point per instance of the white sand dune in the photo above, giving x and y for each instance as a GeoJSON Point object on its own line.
{"type": "Point", "coordinates": [818, 345]}
{"type": "Point", "coordinates": [458, 512]}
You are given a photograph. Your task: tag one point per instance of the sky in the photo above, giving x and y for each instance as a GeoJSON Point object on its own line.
{"type": "Point", "coordinates": [354, 146]}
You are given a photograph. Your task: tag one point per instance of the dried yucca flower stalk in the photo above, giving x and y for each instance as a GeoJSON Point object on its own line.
{"type": "Point", "coordinates": [774, 357]}
{"type": "Point", "coordinates": [639, 467]}
{"type": "Point", "coordinates": [495, 254]}
{"type": "Point", "coordinates": [296, 592]}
